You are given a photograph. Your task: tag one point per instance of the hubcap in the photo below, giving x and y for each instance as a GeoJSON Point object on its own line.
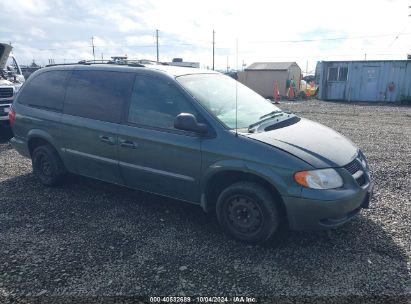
{"type": "Point", "coordinates": [244, 214]}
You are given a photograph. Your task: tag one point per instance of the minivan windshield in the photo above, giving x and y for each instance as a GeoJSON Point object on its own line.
{"type": "Point", "coordinates": [218, 94]}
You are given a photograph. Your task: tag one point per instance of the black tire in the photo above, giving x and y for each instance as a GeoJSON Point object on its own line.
{"type": "Point", "coordinates": [247, 212]}
{"type": "Point", "coordinates": [47, 165]}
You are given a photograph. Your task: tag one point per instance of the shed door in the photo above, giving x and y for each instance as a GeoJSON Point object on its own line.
{"type": "Point", "coordinates": [369, 79]}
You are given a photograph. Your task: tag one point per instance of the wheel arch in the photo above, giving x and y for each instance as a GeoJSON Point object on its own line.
{"type": "Point", "coordinates": [38, 138]}
{"type": "Point", "coordinates": [217, 180]}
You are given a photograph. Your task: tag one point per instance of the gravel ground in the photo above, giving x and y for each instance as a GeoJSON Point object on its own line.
{"type": "Point", "coordinates": [90, 241]}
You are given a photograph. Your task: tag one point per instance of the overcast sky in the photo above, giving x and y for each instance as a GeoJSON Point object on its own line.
{"type": "Point", "coordinates": [298, 31]}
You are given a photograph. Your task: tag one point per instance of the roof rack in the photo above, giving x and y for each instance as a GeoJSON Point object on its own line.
{"type": "Point", "coordinates": [115, 60]}
{"type": "Point", "coordinates": [85, 62]}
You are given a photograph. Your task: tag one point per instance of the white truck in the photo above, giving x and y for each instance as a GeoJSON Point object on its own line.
{"type": "Point", "coordinates": [11, 79]}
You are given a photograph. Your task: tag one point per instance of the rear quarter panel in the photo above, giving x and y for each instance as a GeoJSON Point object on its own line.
{"type": "Point", "coordinates": [33, 122]}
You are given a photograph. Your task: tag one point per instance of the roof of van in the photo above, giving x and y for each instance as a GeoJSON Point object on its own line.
{"type": "Point", "coordinates": [178, 71]}
{"type": "Point", "coordinates": [166, 69]}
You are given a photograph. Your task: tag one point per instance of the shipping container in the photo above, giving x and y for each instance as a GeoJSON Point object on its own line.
{"type": "Point", "coordinates": [371, 80]}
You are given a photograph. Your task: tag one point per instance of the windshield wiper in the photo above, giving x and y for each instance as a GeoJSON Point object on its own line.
{"type": "Point", "coordinates": [271, 114]}
{"type": "Point", "coordinates": [270, 117]}
{"type": "Point", "coordinates": [265, 118]}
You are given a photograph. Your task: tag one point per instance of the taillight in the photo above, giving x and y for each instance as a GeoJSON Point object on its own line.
{"type": "Point", "coordinates": [12, 116]}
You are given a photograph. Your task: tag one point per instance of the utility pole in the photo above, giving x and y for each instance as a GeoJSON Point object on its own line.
{"type": "Point", "coordinates": [365, 56]}
{"type": "Point", "coordinates": [409, 55]}
{"type": "Point", "coordinates": [92, 44]}
{"type": "Point", "coordinates": [158, 58]}
{"type": "Point", "coordinates": [213, 47]}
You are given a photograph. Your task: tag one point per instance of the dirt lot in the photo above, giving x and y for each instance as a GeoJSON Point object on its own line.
{"type": "Point", "coordinates": [89, 241]}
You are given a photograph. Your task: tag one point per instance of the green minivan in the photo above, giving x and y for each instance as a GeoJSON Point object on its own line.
{"type": "Point", "coordinates": [193, 135]}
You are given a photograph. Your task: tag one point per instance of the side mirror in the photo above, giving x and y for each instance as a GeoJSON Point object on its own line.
{"type": "Point", "coordinates": [188, 122]}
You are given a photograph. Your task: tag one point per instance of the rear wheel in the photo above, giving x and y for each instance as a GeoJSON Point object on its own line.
{"type": "Point", "coordinates": [247, 212]}
{"type": "Point", "coordinates": [47, 165]}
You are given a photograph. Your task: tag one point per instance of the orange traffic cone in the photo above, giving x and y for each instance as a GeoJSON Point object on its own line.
{"type": "Point", "coordinates": [276, 95]}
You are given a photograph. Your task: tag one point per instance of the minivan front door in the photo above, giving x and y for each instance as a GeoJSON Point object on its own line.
{"type": "Point", "coordinates": [153, 155]}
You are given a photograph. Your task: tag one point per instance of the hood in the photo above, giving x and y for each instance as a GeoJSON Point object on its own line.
{"type": "Point", "coordinates": [5, 50]}
{"type": "Point", "coordinates": [312, 142]}
{"type": "Point", "coordinates": [4, 82]}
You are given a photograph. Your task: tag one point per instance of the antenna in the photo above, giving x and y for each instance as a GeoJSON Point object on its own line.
{"type": "Point", "coordinates": [236, 89]}
{"type": "Point", "coordinates": [158, 58]}
{"type": "Point", "coordinates": [213, 46]}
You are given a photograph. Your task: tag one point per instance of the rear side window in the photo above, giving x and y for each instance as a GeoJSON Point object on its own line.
{"type": "Point", "coordinates": [45, 91]}
{"type": "Point", "coordinates": [156, 103]}
{"type": "Point", "coordinates": [98, 95]}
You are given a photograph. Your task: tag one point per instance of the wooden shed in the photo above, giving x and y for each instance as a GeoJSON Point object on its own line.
{"type": "Point", "coordinates": [261, 77]}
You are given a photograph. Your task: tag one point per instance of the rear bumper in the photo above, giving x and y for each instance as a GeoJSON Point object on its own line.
{"type": "Point", "coordinates": [309, 214]}
{"type": "Point", "coordinates": [20, 146]}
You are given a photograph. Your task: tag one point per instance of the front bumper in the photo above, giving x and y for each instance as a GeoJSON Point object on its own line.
{"type": "Point", "coordinates": [4, 110]}
{"type": "Point", "coordinates": [317, 214]}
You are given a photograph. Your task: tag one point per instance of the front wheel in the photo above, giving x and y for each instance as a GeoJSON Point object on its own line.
{"type": "Point", "coordinates": [247, 212]}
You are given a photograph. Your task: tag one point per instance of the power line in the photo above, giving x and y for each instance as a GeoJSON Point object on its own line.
{"type": "Point", "coordinates": [325, 39]}
{"type": "Point", "coordinates": [191, 44]}
{"type": "Point", "coordinates": [213, 42]}
{"type": "Point", "coordinates": [396, 37]}
{"type": "Point", "coordinates": [176, 44]}
{"type": "Point", "coordinates": [113, 45]}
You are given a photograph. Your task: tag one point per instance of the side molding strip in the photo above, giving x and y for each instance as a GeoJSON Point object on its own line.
{"type": "Point", "coordinates": [161, 172]}
{"type": "Point", "coordinates": [133, 166]}
{"type": "Point", "coordinates": [91, 156]}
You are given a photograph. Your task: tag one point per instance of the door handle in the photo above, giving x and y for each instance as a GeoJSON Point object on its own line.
{"type": "Point", "coordinates": [128, 144]}
{"type": "Point", "coordinates": [107, 139]}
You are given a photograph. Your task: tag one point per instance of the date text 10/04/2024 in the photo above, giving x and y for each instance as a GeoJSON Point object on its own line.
{"type": "Point", "coordinates": [203, 299]}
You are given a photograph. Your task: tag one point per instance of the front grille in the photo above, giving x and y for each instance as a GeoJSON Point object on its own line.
{"type": "Point", "coordinates": [353, 167]}
{"type": "Point", "coordinates": [6, 92]}
{"type": "Point", "coordinates": [5, 102]}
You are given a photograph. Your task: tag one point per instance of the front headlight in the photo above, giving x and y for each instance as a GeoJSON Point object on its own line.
{"type": "Point", "coordinates": [319, 179]}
